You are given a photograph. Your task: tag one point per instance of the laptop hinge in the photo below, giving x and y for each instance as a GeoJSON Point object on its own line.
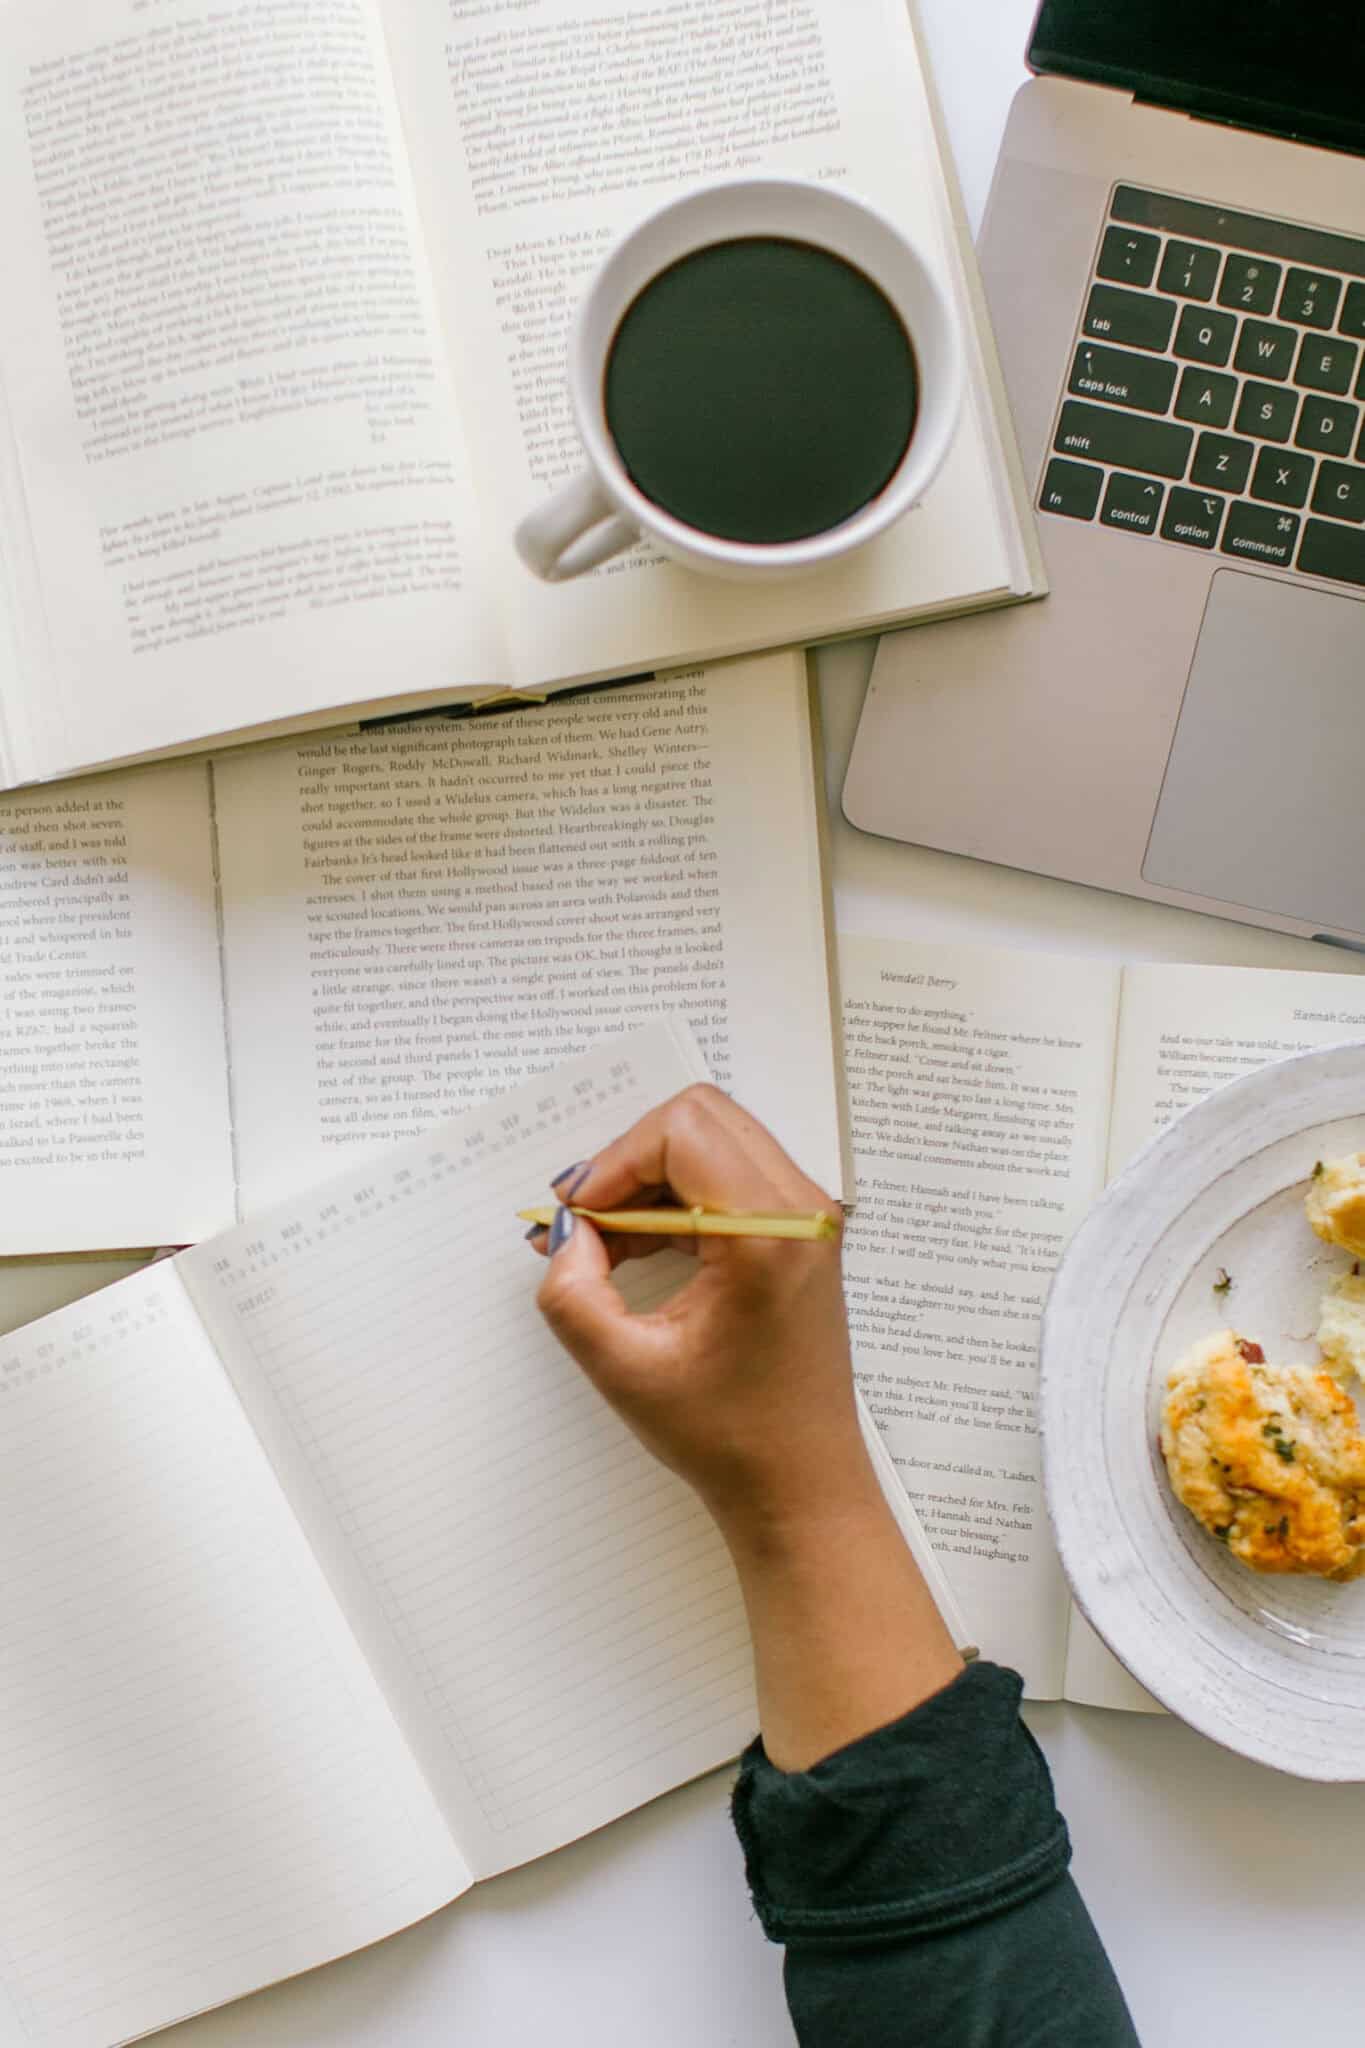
{"type": "Point", "coordinates": [1258, 122]}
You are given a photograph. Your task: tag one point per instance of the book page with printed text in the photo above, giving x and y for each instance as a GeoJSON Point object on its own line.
{"type": "Point", "coordinates": [244, 487]}
{"type": "Point", "coordinates": [114, 1124]}
{"type": "Point", "coordinates": [979, 1096]}
{"type": "Point", "coordinates": [540, 131]}
{"type": "Point", "coordinates": [417, 918]}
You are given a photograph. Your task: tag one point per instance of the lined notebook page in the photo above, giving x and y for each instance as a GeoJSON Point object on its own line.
{"type": "Point", "coordinates": [201, 1789]}
{"type": "Point", "coordinates": [554, 1614]}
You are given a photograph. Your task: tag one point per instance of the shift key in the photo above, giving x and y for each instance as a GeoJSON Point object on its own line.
{"type": "Point", "coordinates": [1125, 439]}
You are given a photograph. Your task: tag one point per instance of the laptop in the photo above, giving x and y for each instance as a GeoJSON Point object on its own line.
{"type": "Point", "coordinates": [1174, 256]}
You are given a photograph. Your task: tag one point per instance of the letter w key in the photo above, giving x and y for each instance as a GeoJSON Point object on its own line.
{"type": "Point", "coordinates": [1266, 350]}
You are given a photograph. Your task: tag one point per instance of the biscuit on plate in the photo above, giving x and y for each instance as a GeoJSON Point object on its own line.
{"type": "Point", "coordinates": [1268, 1458]}
{"type": "Point", "coordinates": [1341, 1327]}
{"type": "Point", "coordinates": [1335, 1202]}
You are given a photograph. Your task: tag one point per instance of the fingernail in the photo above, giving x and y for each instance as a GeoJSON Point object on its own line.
{"type": "Point", "coordinates": [556, 1178]}
{"type": "Point", "coordinates": [580, 1171]}
{"type": "Point", "coordinates": [561, 1230]}
{"type": "Point", "coordinates": [536, 1230]}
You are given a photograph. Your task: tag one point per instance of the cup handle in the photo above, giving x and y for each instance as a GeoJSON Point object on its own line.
{"type": "Point", "coordinates": [578, 529]}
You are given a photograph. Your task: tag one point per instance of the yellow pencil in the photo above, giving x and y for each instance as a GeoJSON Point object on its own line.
{"type": "Point", "coordinates": [694, 1223]}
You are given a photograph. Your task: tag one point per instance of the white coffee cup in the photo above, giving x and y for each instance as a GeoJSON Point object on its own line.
{"type": "Point", "coordinates": [602, 511]}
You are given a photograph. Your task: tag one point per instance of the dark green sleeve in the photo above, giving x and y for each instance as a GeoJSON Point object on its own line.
{"type": "Point", "coordinates": [918, 1880]}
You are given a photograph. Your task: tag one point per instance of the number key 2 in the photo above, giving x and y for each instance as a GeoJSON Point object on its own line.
{"type": "Point", "coordinates": [1250, 283]}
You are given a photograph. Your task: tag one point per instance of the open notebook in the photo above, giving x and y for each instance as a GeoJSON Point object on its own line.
{"type": "Point", "coordinates": [332, 1587]}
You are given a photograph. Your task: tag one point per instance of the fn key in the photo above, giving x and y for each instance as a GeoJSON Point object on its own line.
{"type": "Point", "coordinates": [1071, 488]}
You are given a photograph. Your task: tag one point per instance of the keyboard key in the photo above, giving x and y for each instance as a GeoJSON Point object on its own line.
{"type": "Point", "coordinates": [1221, 462]}
{"type": "Point", "coordinates": [1124, 439]}
{"type": "Point", "coordinates": [1340, 491]}
{"type": "Point", "coordinates": [1282, 478]}
{"type": "Point", "coordinates": [1250, 284]}
{"type": "Point", "coordinates": [1206, 396]}
{"type": "Point", "coordinates": [1138, 381]}
{"type": "Point", "coordinates": [1135, 319]}
{"type": "Point", "coordinates": [1353, 312]}
{"type": "Point", "coordinates": [1266, 411]}
{"type": "Point", "coordinates": [1129, 257]}
{"type": "Point", "coordinates": [1266, 351]}
{"type": "Point", "coordinates": [1310, 297]}
{"type": "Point", "coordinates": [1326, 365]}
{"type": "Point", "coordinates": [1189, 270]}
{"type": "Point", "coordinates": [1333, 551]}
{"type": "Point", "coordinates": [1133, 502]}
{"type": "Point", "coordinates": [1327, 425]}
{"type": "Point", "coordinates": [1259, 534]}
{"type": "Point", "coordinates": [1203, 336]}
{"type": "Point", "coordinates": [1192, 518]}
{"type": "Point", "coordinates": [1071, 488]}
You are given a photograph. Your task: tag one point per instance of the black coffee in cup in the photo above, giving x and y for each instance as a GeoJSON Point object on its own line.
{"type": "Point", "coordinates": [761, 390]}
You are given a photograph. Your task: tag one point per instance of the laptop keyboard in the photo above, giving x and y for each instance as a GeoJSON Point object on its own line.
{"type": "Point", "coordinates": [1216, 392]}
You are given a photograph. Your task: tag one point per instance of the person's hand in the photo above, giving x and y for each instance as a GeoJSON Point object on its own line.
{"type": "Point", "coordinates": [741, 1382]}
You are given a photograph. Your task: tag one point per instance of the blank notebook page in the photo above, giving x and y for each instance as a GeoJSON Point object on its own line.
{"type": "Point", "coordinates": [555, 1615]}
{"type": "Point", "coordinates": [201, 1789]}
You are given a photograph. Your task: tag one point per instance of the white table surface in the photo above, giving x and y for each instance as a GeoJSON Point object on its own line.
{"type": "Point", "coordinates": [1223, 1891]}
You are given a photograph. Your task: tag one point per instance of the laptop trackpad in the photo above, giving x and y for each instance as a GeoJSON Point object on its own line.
{"type": "Point", "coordinates": [1262, 801]}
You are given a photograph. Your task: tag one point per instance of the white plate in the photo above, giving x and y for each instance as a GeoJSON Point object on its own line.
{"type": "Point", "coordinates": [1271, 1667]}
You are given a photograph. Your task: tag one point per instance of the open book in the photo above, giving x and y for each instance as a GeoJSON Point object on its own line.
{"type": "Point", "coordinates": [331, 1586]}
{"type": "Point", "coordinates": [282, 346]}
{"type": "Point", "coordinates": [992, 1094]}
{"type": "Point", "coordinates": [219, 983]}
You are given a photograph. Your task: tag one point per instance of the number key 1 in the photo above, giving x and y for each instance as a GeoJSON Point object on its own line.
{"type": "Point", "coordinates": [1189, 270]}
